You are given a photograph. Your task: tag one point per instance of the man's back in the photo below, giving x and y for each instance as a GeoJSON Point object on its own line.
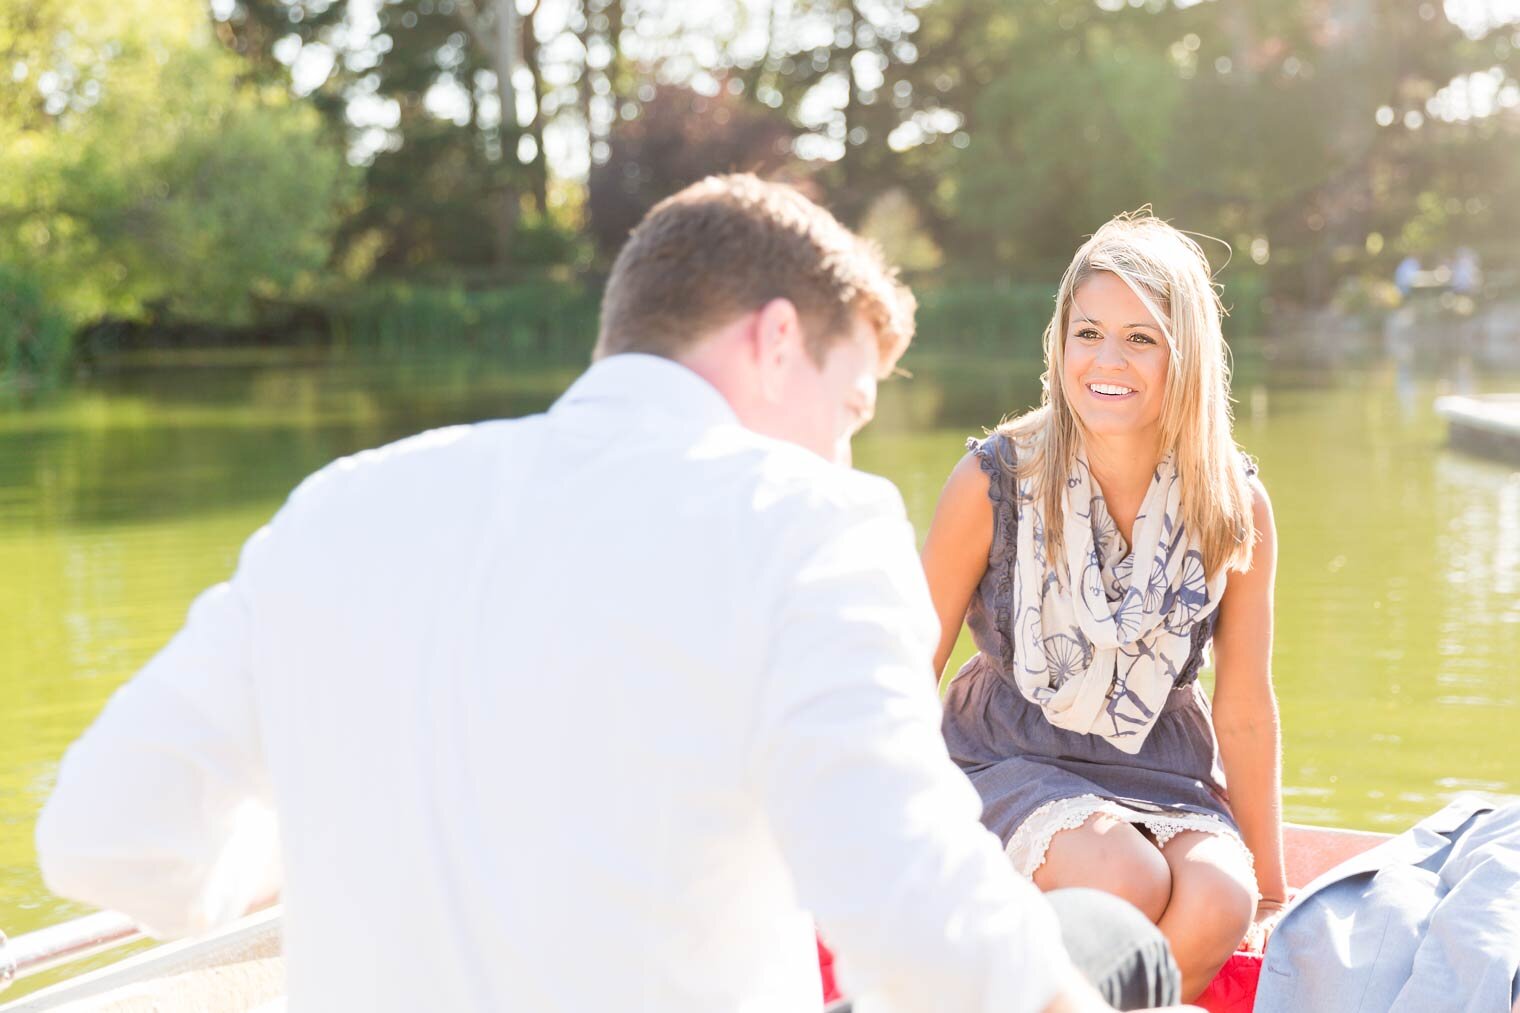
{"type": "Point", "coordinates": [554, 762]}
{"type": "Point", "coordinates": [520, 695]}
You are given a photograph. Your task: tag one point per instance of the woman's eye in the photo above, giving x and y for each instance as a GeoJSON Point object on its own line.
{"type": "Point", "coordinates": [1088, 334]}
{"type": "Point", "coordinates": [1142, 339]}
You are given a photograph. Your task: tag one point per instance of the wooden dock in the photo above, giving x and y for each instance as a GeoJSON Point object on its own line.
{"type": "Point", "coordinates": [1486, 424]}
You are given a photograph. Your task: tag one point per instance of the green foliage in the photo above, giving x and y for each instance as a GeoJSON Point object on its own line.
{"type": "Point", "coordinates": [157, 181]}
{"type": "Point", "coordinates": [1245, 297]}
{"type": "Point", "coordinates": [544, 320]}
{"type": "Point", "coordinates": [239, 203]}
{"type": "Point", "coordinates": [896, 225]}
{"type": "Point", "coordinates": [34, 338]}
{"type": "Point", "coordinates": [985, 317]}
{"type": "Point", "coordinates": [1364, 297]}
{"type": "Point", "coordinates": [156, 164]}
{"type": "Point", "coordinates": [547, 240]}
{"type": "Point", "coordinates": [1286, 126]}
{"type": "Point", "coordinates": [1085, 129]}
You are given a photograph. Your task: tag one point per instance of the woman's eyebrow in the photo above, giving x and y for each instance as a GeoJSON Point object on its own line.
{"type": "Point", "coordinates": [1090, 320]}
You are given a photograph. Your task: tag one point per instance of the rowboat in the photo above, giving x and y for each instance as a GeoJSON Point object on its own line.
{"type": "Point", "coordinates": [1487, 425]}
{"type": "Point", "coordinates": [238, 968]}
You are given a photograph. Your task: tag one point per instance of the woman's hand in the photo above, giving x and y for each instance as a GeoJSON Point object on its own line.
{"type": "Point", "coordinates": [1268, 914]}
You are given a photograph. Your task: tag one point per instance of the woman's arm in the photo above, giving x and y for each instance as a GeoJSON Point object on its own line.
{"type": "Point", "coordinates": [1245, 708]}
{"type": "Point", "coordinates": [955, 553]}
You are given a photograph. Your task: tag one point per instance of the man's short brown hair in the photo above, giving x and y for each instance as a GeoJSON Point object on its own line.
{"type": "Point", "coordinates": [728, 245]}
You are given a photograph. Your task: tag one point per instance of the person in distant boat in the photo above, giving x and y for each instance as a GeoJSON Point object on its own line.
{"type": "Point", "coordinates": [1405, 275]}
{"type": "Point", "coordinates": [1466, 272]}
{"type": "Point", "coordinates": [594, 710]}
{"type": "Point", "coordinates": [1097, 545]}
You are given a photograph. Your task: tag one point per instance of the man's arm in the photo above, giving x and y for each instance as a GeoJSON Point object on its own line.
{"type": "Point", "coordinates": [162, 809]}
{"type": "Point", "coordinates": [879, 828]}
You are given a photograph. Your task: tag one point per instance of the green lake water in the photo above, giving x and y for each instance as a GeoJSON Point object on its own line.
{"type": "Point", "coordinates": [1398, 600]}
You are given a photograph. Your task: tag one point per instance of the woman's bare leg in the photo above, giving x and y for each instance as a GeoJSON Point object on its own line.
{"type": "Point", "coordinates": [1109, 854]}
{"type": "Point", "coordinates": [1213, 898]}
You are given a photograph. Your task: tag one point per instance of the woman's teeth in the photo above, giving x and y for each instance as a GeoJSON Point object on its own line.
{"type": "Point", "coordinates": [1113, 390]}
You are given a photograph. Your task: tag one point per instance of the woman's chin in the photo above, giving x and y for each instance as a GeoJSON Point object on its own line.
{"type": "Point", "coordinates": [1115, 425]}
{"type": "Point", "coordinates": [1110, 423]}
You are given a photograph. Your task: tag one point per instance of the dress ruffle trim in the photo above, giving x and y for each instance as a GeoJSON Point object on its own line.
{"type": "Point", "coordinates": [1027, 848]}
{"type": "Point", "coordinates": [996, 456]}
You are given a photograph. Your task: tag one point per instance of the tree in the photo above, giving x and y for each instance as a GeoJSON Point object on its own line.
{"type": "Point", "coordinates": [1083, 127]}
{"type": "Point", "coordinates": [1316, 139]}
{"type": "Point", "coordinates": [455, 153]}
{"type": "Point", "coordinates": [152, 176]}
{"type": "Point", "coordinates": [678, 137]}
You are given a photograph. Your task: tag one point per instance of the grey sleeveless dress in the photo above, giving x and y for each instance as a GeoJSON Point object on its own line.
{"type": "Point", "coordinates": [1036, 779]}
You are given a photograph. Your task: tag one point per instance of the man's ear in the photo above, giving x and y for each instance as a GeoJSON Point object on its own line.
{"type": "Point", "coordinates": [777, 343]}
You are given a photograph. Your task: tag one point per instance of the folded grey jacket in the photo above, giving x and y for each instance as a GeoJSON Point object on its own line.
{"type": "Point", "coordinates": [1426, 922]}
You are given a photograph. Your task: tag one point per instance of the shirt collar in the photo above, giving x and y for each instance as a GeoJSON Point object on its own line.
{"type": "Point", "coordinates": [648, 381]}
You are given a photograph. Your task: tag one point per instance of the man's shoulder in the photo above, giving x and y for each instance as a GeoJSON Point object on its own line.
{"type": "Point", "coordinates": [438, 469]}
{"type": "Point", "coordinates": [444, 453]}
{"type": "Point", "coordinates": [785, 481]}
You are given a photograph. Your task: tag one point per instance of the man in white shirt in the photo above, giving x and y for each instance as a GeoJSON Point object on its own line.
{"type": "Point", "coordinates": [593, 710]}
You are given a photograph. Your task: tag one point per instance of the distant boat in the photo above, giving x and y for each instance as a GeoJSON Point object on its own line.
{"type": "Point", "coordinates": [1486, 424]}
{"type": "Point", "coordinates": [238, 968]}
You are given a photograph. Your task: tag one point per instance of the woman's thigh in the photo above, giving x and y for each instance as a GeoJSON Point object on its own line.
{"type": "Point", "coordinates": [1111, 855]}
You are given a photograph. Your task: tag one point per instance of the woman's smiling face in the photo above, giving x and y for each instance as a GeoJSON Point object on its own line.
{"type": "Point", "coordinates": [1116, 359]}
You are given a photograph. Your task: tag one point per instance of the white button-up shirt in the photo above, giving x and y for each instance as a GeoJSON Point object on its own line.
{"type": "Point", "coordinates": [585, 711]}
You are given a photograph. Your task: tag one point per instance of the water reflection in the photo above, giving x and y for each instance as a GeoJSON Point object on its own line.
{"type": "Point", "coordinates": [1479, 544]}
{"type": "Point", "coordinates": [1398, 588]}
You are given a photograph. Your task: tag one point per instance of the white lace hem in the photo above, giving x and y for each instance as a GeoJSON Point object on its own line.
{"type": "Point", "coordinates": [1026, 849]}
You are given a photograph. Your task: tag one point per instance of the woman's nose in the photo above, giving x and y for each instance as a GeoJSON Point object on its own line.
{"type": "Point", "coordinates": [1110, 355]}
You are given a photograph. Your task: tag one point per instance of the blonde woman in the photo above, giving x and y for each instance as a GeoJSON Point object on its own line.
{"type": "Point", "coordinates": [1097, 546]}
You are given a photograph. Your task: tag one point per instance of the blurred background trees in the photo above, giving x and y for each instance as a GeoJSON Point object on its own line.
{"type": "Point", "coordinates": [142, 171]}
{"type": "Point", "coordinates": [222, 164]}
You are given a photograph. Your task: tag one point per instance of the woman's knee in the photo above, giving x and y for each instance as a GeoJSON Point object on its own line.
{"type": "Point", "coordinates": [1203, 934]}
{"type": "Point", "coordinates": [1109, 855]}
{"type": "Point", "coordinates": [1212, 903]}
{"type": "Point", "coordinates": [1221, 919]}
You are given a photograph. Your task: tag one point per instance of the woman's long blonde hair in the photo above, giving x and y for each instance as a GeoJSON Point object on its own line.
{"type": "Point", "coordinates": [1170, 274]}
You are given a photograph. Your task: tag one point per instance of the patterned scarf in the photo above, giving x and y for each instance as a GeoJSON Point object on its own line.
{"type": "Point", "coordinates": [1100, 637]}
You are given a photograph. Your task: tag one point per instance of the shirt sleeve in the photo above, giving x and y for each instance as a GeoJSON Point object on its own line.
{"type": "Point", "coordinates": [880, 829]}
{"type": "Point", "coordinates": [162, 810]}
